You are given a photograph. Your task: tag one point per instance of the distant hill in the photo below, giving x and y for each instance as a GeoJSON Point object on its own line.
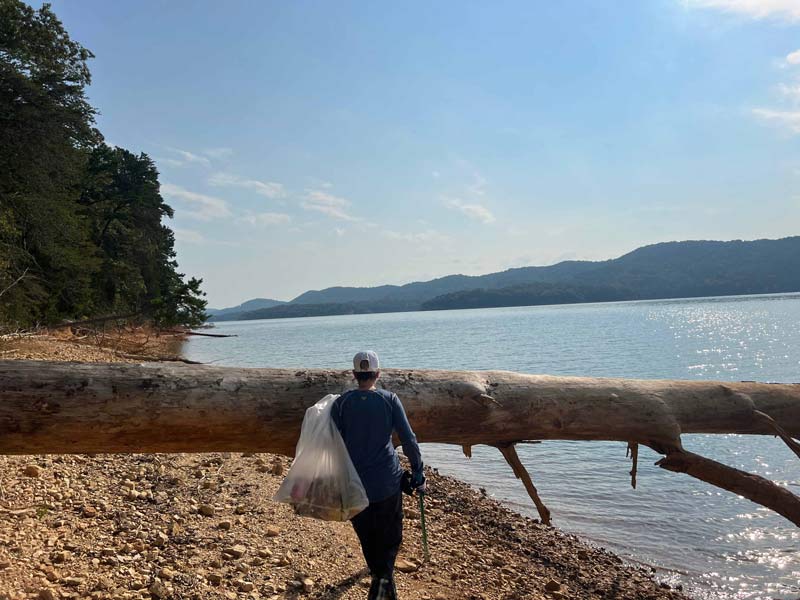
{"type": "Point", "coordinates": [225, 314]}
{"type": "Point", "coordinates": [665, 270]}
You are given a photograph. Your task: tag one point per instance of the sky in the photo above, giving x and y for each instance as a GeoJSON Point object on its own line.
{"type": "Point", "coordinates": [310, 144]}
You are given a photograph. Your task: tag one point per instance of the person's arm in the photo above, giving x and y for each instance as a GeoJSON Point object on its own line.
{"type": "Point", "coordinates": [336, 415]}
{"type": "Point", "coordinates": [408, 441]}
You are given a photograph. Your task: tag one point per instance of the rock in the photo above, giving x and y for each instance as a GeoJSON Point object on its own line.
{"type": "Point", "coordinates": [166, 574]}
{"type": "Point", "coordinates": [89, 511]}
{"type": "Point", "coordinates": [59, 557]}
{"type": "Point", "coordinates": [245, 586]}
{"type": "Point", "coordinates": [73, 581]}
{"type": "Point", "coordinates": [159, 540]}
{"type": "Point", "coordinates": [308, 584]}
{"type": "Point", "coordinates": [237, 551]}
{"type": "Point", "coordinates": [214, 578]}
{"type": "Point", "coordinates": [32, 471]}
{"type": "Point", "coordinates": [272, 531]}
{"type": "Point", "coordinates": [159, 590]}
{"type": "Point", "coordinates": [225, 525]}
{"type": "Point", "coordinates": [265, 553]}
{"type": "Point", "coordinates": [552, 586]}
{"type": "Point", "coordinates": [48, 594]}
{"type": "Point", "coordinates": [206, 510]}
{"type": "Point", "coordinates": [277, 467]}
{"type": "Point", "coordinates": [406, 566]}
{"type": "Point", "coordinates": [583, 554]}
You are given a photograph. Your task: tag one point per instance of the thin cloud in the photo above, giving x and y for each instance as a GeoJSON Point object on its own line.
{"type": "Point", "coordinates": [328, 204]}
{"type": "Point", "coordinates": [790, 91]}
{"type": "Point", "coordinates": [202, 207]}
{"type": "Point", "coordinates": [218, 152]}
{"type": "Point", "coordinates": [420, 237]}
{"type": "Point", "coordinates": [788, 10]}
{"type": "Point", "coordinates": [476, 212]}
{"type": "Point", "coordinates": [266, 218]}
{"type": "Point", "coordinates": [478, 185]}
{"type": "Point", "coordinates": [789, 119]}
{"type": "Point", "coordinates": [188, 236]}
{"type": "Point", "coordinates": [187, 158]}
{"type": "Point", "coordinates": [793, 58]}
{"type": "Point", "coordinates": [270, 189]}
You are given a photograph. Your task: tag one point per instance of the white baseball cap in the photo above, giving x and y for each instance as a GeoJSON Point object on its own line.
{"type": "Point", "coordinates": [370, 358]}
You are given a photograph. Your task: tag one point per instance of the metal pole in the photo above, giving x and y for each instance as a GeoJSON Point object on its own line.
{"type": "Point", "coordinates": [424, 530]}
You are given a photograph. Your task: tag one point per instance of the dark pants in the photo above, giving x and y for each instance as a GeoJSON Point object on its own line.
{"type": "Point", "coordinates": [379, 528]}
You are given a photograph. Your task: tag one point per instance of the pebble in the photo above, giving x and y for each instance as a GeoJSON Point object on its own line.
{"type": "Point", "coordinates": [552, 586]}
{"type": "Point", "coordinates": [406, 566]}
{"type": "Point", "coordinates": [272, 531]}
{"type": "Point", "coordinates": [32, 471]}
{"type": "Point", "coordinates": [159, 590]}
{"type": "Point", "coordinates": [237, 551]}
{"type": "Point", "coordinates": [206, 510]}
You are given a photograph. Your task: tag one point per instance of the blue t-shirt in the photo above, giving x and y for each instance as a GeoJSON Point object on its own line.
{"type": "Point", "coordinates": [366, 420]}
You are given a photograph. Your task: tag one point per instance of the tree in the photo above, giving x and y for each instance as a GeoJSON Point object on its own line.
{"type": "Point", "coordinates": [138, 272]}
{"type": "Point", "coordinates": [81, 229]}
{"type": "Point", "coordinates": [46, 128]}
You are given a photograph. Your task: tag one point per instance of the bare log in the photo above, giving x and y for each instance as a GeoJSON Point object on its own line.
{"type": "Point", "coordinates": [54, 407]}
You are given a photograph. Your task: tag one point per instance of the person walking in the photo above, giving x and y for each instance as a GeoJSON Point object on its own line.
{"type": "Point", "coordinates": [366, 418]}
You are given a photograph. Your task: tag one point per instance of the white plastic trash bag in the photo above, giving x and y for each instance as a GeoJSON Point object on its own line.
{"type": "Point", "coordinates": [322, 483]}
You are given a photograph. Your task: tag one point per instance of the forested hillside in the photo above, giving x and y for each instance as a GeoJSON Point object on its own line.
{"type": "Point", "coordinates": [666, 270]}
{"type": "Point", "coordinates": [81, 223]}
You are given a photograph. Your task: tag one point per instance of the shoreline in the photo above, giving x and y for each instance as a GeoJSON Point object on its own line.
{"type": "Point", "coordinates": [204, 526]}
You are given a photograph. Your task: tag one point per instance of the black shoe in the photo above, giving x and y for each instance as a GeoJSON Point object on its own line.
{"type": "Point", "coordinates": [382, 589]}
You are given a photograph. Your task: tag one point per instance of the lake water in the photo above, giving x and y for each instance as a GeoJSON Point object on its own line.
{"type": "Point", "coordinates": [716, 544]}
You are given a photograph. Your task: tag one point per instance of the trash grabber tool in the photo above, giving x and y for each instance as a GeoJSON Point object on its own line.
{"type": "Point", "coordinates": [422, 520]}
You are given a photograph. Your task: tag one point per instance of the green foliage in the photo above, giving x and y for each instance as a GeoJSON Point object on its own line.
{"type": "Point", "coordinates": [81, 231]}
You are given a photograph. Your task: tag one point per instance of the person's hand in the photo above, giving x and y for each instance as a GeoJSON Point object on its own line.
{"type": "Point", "coordinates": [418, 483]}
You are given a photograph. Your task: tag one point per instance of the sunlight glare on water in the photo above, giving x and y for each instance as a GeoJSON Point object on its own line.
{"type": "Point", "coordinates": [716, 544]}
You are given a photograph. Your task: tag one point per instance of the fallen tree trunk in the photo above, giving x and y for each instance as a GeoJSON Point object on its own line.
{"type": "Point", "coordinates": [52, 407]}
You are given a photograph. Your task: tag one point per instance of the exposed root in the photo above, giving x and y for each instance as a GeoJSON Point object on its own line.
{"type": "Point", "coordinates": [779, 431]}
{"type": "Point", "coordinates": [753, 487]}
{"type": "Point", "coordinates": [467, 449]}
{"type": "Point", "coordinates": [509, 452]}
{"type": "Point", "coordinates": [633, 452]}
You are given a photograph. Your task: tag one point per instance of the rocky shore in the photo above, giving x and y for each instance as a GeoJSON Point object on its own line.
{"type": "Point", "coordinates": [204, 526]}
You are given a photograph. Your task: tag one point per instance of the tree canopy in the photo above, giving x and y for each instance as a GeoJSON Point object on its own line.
{"type": "Point", "coordinates": [81, 223]}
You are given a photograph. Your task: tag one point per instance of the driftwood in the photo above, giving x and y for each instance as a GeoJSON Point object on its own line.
{"type": "Point", "coordinates": [48, 407]}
